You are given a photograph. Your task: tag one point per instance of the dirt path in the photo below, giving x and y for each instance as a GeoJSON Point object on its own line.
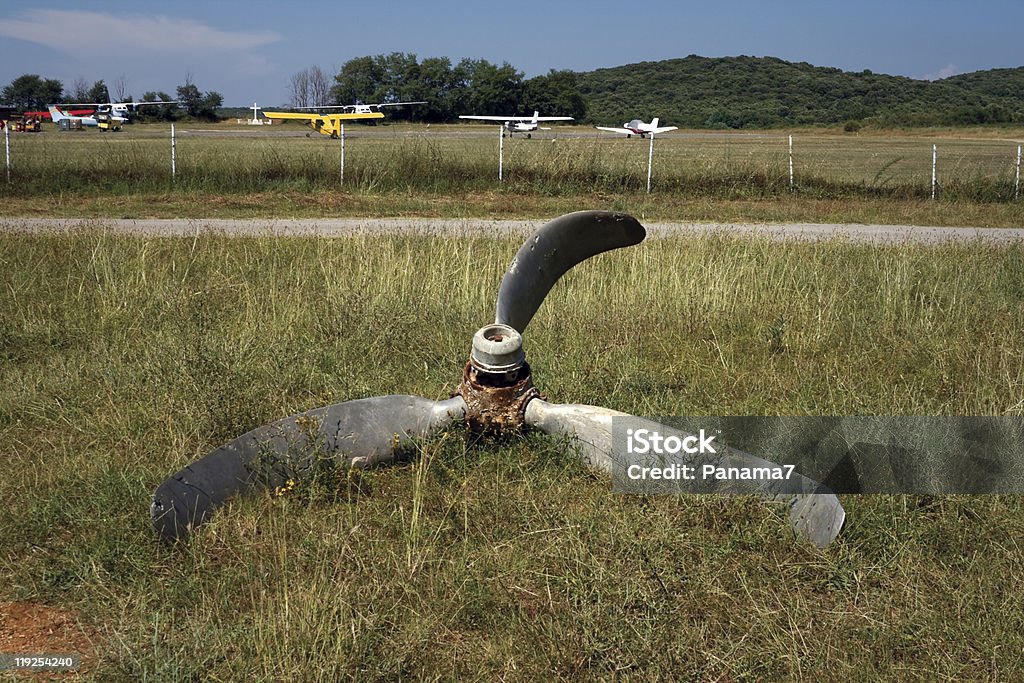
{"type": "Point", "coordinates": [333, 227]}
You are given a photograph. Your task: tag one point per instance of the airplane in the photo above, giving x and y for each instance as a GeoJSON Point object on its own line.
{"type": "Point", "coordinates": [100, 120]}
{"type": "Point", "coordinates": [45, 115]}
{"type": "Point", "coordinates": [519, 124]}
{"type": "Point", "coordinates": [360, 108]}
{"type": "Point", "coordinates": [121, 109]}
{"type": "Point", "coordinates": [639, 128]}
{"type": "Point", "coordinates": [325, 124]}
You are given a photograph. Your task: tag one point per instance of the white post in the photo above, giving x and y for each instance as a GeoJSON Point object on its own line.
{"type": "Point", "coordinates": [935, 156]}
{"type": "Point", "coordinates": [7, 147]}
{"type": "Point", "coordinates": [1016, 181]}
{"type": "Point", "coordinates": [791, 162]}
{"type": "Point", "coordinates": [501, 150]}
{"type": "Point", "coordinates": [342, 126]}
{"type": "Point", "coordinates": [650, 161]}
{"type": "Point", "coordinates": [174, 155]}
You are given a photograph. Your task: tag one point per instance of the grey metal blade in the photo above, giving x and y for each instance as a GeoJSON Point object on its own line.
{"type": "Point", "coordinates": [815, 513]}
{"type": "Point", "coordinates": [554, 249]}
{"type": "Point", "coordinates": [356, 433]}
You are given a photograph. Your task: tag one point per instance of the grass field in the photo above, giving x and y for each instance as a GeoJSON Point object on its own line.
{"type": "Point", "coordinates": [236, 170]}
{"type": "Point", "coordinates": [126, 358]}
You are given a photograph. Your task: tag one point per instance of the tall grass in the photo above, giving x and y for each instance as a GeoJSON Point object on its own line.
{"type": "Point", "coordinates": [728, 167]}
{"type": "Point", "coordinates": [123, 359]}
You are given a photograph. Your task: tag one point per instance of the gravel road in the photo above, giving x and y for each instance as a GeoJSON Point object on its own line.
{"type": "Point", "coordinates": [335, 227]}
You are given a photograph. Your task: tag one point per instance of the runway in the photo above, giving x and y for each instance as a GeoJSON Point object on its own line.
{"type": "Point", "coordinates": [341, 227]}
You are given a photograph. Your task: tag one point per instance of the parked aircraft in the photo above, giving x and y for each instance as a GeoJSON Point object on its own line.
{"type": "Point", "coordinates": [639, 128]}
{"type": "Point", "coordinates": [325, 124]}
{"type": "Point", "coordinates": [101, 120]}
{"type": "Point", "coordinates": [121, 109]}
{"type": "Point", "coordinates": [361, 108]}
{"type": "Point", "coordinates": [519, 124]}
{"type": "Point", "coordinates": [67, 112]}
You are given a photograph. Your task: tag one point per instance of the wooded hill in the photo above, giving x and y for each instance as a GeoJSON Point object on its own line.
{"type": "Point", "coordinates": [763, 92]}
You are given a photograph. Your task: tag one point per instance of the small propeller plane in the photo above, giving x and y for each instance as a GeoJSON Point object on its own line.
{"type": "Point", "coordinates": [360, 108]}
{"type": "Point", "coordinates": [325, 124]}
{"type": "Point", "coordinates": [120, 109]}
{"type": "Point", "coordinates": [100, 120]}
{"type": "Point", "coordinates": [519, 124]}
{"type": "Point", "coordinates": [639, 128]}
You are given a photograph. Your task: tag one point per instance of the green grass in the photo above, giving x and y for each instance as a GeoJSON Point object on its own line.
{"type": "Point", "coordinates": [422, 161]}
{"type": "Point", "coordinates": [883, 177]}
{"type": "Point", "coordinates": [124, 359]}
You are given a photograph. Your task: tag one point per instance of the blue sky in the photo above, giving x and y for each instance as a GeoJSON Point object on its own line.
{"type": "Point", "coordinates": [248, 50]}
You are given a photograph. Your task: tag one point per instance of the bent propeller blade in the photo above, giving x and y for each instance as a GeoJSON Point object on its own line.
{"type": "Point", "coordinates": [815, 513]}
{"type": "Point", "coordinates": [553, 250]}
{"type": "Point", "coordinates": [357, 433]}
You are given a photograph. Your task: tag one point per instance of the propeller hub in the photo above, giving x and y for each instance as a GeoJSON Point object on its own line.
{"type": "Point", "coordinates": [497, 349]}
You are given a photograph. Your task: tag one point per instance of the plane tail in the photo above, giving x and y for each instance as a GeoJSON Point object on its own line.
{"type": "Point", "coordinates": [536, 115]}
{"type": "Point", "coordinates": [56, 114]}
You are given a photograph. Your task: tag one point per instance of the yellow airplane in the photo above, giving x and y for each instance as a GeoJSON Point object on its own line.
{"type": "Point", "coordinates": [325, 124]}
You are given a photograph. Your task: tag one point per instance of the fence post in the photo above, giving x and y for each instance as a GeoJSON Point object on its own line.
{"type": "Point", "coordinates": [935, 156]}
{"type": "Point", "coordinates": [790, 163]}
{"type": "Point", "coordinates": [501, 150]}
{"type": "Point", "coordinates": [174, 155]}
{"type": "Point", "coordinates": [342, 136]}
{"type": "Point", "coordinates": [7, 147]}
{"type": "Point", "coordinates": [1016, 180]}
{"type": "Point", "coordinates": [650, 161]}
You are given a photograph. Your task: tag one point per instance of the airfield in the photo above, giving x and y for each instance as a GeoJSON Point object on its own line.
{"type": "Point", "coordinates": [970, 165]}
{"type": "Point", "coordinates": [146, 320]}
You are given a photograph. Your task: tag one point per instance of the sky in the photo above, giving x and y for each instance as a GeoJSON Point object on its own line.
{"type": "Point", "coordinates": [247, 51]}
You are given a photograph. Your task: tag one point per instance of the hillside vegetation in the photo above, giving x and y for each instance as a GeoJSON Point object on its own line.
{"type": "Point", "coordinates": [763, 92]}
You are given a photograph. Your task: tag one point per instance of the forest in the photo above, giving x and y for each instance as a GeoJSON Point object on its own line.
{"type": "Point", "coordinates": [690, 92]}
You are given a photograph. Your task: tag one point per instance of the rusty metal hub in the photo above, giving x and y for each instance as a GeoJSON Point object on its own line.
{"type": "Point", "coordinates": [496, 382]}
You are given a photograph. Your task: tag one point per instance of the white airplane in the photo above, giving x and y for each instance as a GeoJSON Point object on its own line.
{"type": "Point", "coordinates": [360, 108]}
{"type": "Point", "coordinates": [101, 120]}
{"type": "Point", "coordinates": [639, 128]}
{"type": "Point", "coordinates": [120, 109]}
{"type": "Point", "coordinates": [519, 124]}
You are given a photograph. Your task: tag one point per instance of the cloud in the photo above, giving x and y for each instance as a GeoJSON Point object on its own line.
{"type": "Point", "coordinates": [944, 72]}
{"type": "Point", "coordinates": [78, 31]}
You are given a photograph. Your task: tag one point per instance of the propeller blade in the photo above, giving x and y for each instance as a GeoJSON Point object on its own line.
{"type": "Point", "coordinates": [554, 249]}
{"type": "Point", "coordinates": [358, 433]}
{"type": "Point", "coordinates": [814, 512]}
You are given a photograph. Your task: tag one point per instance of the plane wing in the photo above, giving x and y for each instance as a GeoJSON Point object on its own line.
{"type": "Point", "coordinates": [118, 104]}
{"type": "Point", "coordinates": [664, 129]}
{"type": "Point", "coordinates": [312, 117]}
{"type": "Point", "coordinates": [517, 118]}
{"type": "Point", "coordinates": [394, 104]}
{"type": "Point", "coordinates": [623, 131]}
{"type": "Point", "coordinates": [354, 106]}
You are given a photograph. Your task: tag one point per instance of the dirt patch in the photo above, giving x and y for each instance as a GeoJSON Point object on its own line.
{"type": "Point", "coordinates": [32, 628]}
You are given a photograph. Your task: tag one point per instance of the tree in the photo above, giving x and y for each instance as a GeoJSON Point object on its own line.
{"type": "Point", "coordinates": [319, 87]}
{"type": "Point", "coordinates": [556, 94]}
{"type": "Point", "coordinates": [121, 89]}
{"type": "Point", "coordinates": [98, 92]}
{"type": "Point", "coordinates": [298, 86]}
{"type": "Point", "coordinates": [493, 90]}
{"type": "Point", "coordinates": [32, 92]}
{"type": "Point", "coordinates": [79, 90]}
{"type": "Point", "coordinates": [310, 88]}
{"type": "Point", "coordinates": [157, 112]}
{"type": "Point", "coordinates": [196, 104]}
{"type": "Point", "coordinates": [360, 80]}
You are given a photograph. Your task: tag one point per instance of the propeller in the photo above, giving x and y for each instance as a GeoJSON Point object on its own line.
{"type": "Point", "coordinates": [496, 396]}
